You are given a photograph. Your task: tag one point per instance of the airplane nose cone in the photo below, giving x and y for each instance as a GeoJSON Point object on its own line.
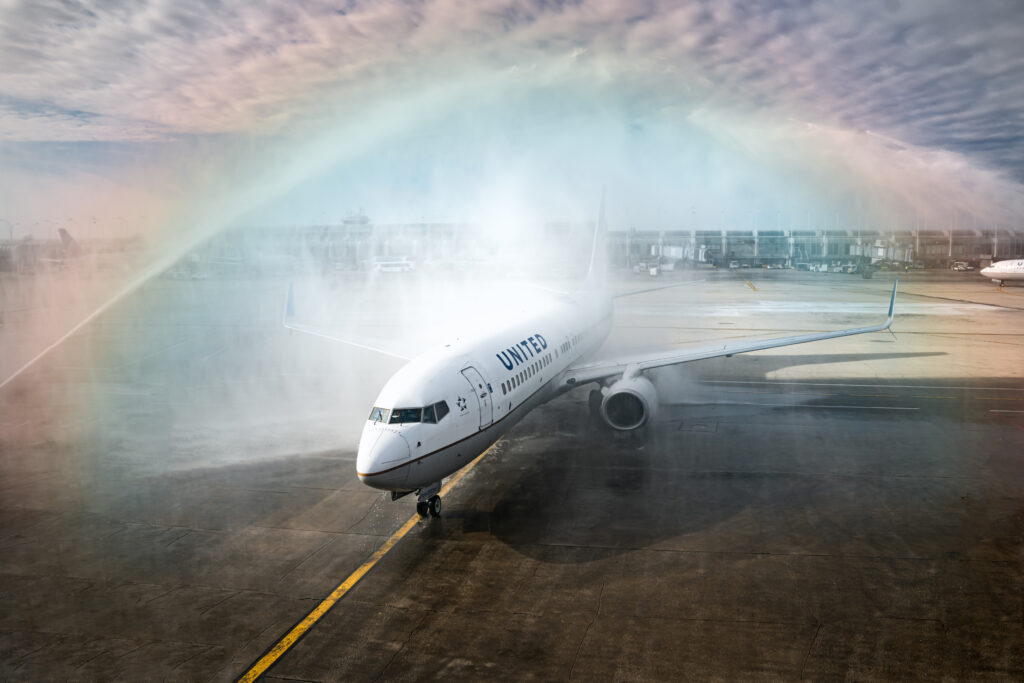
{"type": "Point", "coordinates": [382, 452]}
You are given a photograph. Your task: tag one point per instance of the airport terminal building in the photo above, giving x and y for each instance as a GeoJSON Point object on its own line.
{"type": "Point", "coordinates": [820, 248]}
{"type": "Point", "coordinates": [356, 243]}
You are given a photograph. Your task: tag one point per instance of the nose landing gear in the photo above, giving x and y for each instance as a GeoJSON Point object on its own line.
{"type": "Point", "coordinates": [431, 507]}
{"type": "Point", "coordinates": [428, 502]}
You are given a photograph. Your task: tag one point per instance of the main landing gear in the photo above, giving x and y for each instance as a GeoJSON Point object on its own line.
{"type": "Point", "coordinates": [428, 502]}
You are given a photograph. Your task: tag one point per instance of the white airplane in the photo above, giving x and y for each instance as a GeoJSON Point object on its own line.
{"type": "Point", "coordinates": [1004, 271]}
{"type": "Point", "coordinates": [70, 251]}
{"type": "Point", "coordinates": [447, 406]}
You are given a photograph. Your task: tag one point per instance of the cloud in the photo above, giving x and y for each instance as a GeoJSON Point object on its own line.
{"type": "Point", "coordinates": [935, 83]}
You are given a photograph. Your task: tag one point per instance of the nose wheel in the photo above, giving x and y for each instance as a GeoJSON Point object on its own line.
{"type": "Point", "coordinates": [429, 507]}
{"type": "Point", "coordinates": [428, 503]}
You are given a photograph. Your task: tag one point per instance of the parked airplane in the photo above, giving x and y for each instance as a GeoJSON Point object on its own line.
{"type": "Point", "coordinates": [70, 251]}
{"type": "Point", "coordinates": [447, 406]}
{"type": "Point", "coordinates": [1004, 271]}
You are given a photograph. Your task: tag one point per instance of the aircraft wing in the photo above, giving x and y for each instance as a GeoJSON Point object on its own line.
{"type": "Point", "coordinates": [598, 370]}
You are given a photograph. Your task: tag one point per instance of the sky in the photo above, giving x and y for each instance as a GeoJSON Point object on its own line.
{"type": "Point", "coordinates": [174, 119]}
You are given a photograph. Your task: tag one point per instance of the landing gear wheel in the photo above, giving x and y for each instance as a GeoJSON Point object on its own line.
{"type": "Point", "coordinates": [434, 506]}
{"type": "Point", "coordinates": [422, 509]}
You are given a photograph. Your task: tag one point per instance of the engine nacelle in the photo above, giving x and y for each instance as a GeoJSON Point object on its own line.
{"type": "Point", "coordinates": [629, 403]}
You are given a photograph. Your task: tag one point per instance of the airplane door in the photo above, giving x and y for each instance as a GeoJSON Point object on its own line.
{"type": "Point", "coordinates": [483, 395]}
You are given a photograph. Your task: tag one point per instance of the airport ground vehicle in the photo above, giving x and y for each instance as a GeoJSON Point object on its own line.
{"type": "Point", "coordinates": [393, 265]}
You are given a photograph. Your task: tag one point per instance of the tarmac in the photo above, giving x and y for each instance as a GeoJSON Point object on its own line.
{"type": "Point", "coordinates": [178, 491]}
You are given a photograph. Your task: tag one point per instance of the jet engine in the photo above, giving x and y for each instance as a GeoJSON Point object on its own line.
{"type": "Point", "coordinates": [629, 403]}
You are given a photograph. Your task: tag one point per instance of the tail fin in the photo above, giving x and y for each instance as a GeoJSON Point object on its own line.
{"type": "Point", "coordinates": [71, 247]}
{"type": "Point", "coordinates": [597, 270]}
{"type": "Point", "coordinates": [289, 306]}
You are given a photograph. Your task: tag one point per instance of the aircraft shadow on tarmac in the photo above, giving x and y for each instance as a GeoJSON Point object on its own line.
{"type": "Point", "coordinates": [578, 484]}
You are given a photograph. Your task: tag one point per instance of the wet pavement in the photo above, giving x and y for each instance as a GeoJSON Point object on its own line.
{"type": "Point", "coordinates": [177, 490]}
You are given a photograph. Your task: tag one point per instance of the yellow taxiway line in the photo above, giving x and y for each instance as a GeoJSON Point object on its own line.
{"type": "Point", "coordinates": [289, 639]}
{"type": "Point", "coordinates": [751, 285]}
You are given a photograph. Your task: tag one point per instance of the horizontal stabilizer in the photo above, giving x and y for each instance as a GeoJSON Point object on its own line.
{"type": "Point", "coordinates": [288, 321]}
{"type": "Point", "coordinates": [655, 289]}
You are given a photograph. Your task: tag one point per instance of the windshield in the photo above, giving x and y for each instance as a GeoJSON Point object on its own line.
{"type": "Point", "coordinates": [432, 414]}
{"type": "Point", "coordinates": [405, 415]}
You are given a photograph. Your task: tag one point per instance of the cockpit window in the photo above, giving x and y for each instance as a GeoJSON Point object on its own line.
{"type": "Point", "coordinates": [432, 414]}
{"type": "Point", "coordinates": [405, 415]}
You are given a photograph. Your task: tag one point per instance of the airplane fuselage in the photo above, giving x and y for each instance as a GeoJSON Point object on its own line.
{"type": "Point", "coordinates": [444, 408]}
{"type": "Point", "coordinates": [1004, 271]}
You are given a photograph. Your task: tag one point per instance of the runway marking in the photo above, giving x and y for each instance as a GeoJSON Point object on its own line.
{"type": "Point", "coordinates": [907, 292]}
{"type": "Point", "coordinates": [872, 386]}
{"type": "Point", "coordinates": [800, 405]}
{"type": "Point", "coordinates": [300, 629]}
{"type": "Point", "coordinates": [751, 285]}
{"type": "Point", "coordinates": [950, 398]}
{"type": "Point", "coordinates": [976, 337]}
{"type": "Point", "coordinates": [1008, 420]}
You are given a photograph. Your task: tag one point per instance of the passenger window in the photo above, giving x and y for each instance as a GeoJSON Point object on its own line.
{"type": "Point", "coordinates": [428, 415]}
{"type": "Point", "coordinates": [502, 388]}
{"type": "Point", "coordinates": [379, 414]}
{"type": "Point", "coordinates": [405, 415]}
{"type": "Point", "coordinates": [440, 410]}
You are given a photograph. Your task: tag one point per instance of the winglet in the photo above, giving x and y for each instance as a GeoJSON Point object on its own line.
{"type": "Point", "coordinates": [892, 302]}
